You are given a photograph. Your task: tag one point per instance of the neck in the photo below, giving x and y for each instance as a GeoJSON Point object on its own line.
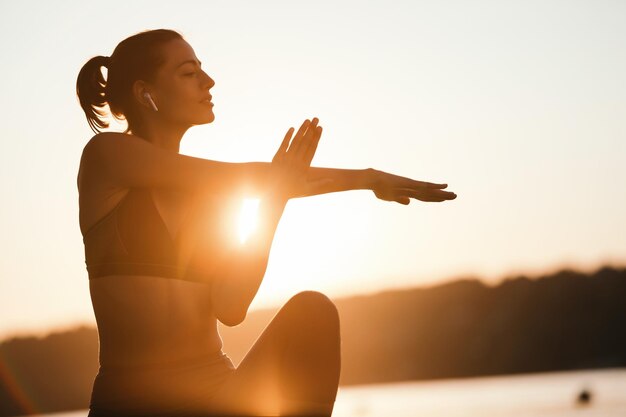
{"type": "Point", "coordinates": [166, 136]}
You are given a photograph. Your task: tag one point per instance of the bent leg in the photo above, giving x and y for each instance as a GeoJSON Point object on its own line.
{"type": "Point", "coordinates": [293, 368]}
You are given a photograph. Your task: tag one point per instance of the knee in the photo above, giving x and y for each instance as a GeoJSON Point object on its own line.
{"type": "Point", "coordinates": [314, 305]}
{"type": "Point", "coordinates": [313, 300]}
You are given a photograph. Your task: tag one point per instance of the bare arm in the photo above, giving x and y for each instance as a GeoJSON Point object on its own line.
{"type": "Point", "coordinates": [239, 271]}
{"type": "Point", "coordinates": [342, 180]}
{"type": "Point", "coordinates": [236, 270]}
{"type": "Point", "coordinates": [386, 186]}
{"type": "Point", "coordinates": [129, 161]}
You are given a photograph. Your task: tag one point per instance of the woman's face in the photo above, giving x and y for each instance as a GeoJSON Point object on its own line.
{"type": "Point", "coordinates": [182, 88]}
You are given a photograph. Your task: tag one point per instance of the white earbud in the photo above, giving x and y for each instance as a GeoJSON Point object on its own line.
{"type": "Point", "coordinates": [148, 97]}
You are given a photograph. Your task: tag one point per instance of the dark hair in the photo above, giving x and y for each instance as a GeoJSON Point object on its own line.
{"type": "Point", "coordinates": [137, 57]}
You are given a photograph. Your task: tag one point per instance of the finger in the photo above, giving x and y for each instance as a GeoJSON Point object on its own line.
{"type": "Point", "coordinates": [305, 140]}
{"type": "Point", "coordinates": [431, 199]}
{"type": "Point", "coordinates": [411, 183]}
{"type": "Point", "coordinates": [430, 191]}
{"type": "Point", "coordinates": [428, 194]}
{"type": "Point", "coordinates": [299, 140]}
{"type": "Point", "coordinates": [295, 143]}
{"type": "Point", "coordinates": [424, 184]}
{"type": "Point", "coordinates": [283, 146]}
{"type": "Point", "coordinates": [310, 152]}
{"type": "Point", "coordinates": [308, 138]}
{"type": "Point", "coordinates": [426, 198]}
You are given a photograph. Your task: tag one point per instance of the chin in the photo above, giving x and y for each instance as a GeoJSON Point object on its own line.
{"type": "Point", "coordinates": [210, 118]}
{"type": "Point", "coordinates": [202, 118]}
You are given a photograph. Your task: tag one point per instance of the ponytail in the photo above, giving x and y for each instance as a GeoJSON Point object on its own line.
{"type": "Point", "coordinates": [137, 57]}
{"type": "Point", "coordinates": [91, 91]}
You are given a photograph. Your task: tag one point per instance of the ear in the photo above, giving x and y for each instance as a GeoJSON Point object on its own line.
{"type": "Point", "coordinates": [140, 87]}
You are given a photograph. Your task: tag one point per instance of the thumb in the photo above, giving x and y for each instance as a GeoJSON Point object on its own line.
{"type": "Point", "coordinates": [404, 200]}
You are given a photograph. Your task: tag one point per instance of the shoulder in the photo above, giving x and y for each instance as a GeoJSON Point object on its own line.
{"type": "Point", "coordinates": [110, 146]}
{"type": "Point", "coordinates": [97, 142]}
{"type": "Point", "coordinates": [92, 163]}
{"type": "Point", "coordinates": [103, 139]}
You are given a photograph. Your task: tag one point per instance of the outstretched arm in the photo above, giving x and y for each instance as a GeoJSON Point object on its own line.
{"type": "Point", "coordinates": [340, 180]}
{"type": "Point", "coordinates": [123, 160]}
{"type": "Point", "coordinates": [385, 186]}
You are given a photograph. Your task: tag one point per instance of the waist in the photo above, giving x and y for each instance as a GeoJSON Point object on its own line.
{"type": "Point", "coordinates": [152, 319]}
{"type": "Point", "coordinates": [163, 389]}
{"type": "Point", "coordinates": [210, 359]}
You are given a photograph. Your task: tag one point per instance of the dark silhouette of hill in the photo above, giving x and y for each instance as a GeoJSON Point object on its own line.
{"type": "Point", "coordinates": [565, 321]}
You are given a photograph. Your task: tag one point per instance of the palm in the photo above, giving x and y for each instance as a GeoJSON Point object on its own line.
{"type": "Point", "coordinates": [391, 187]}
{"type": "Point", "coordinates": [293, 159]}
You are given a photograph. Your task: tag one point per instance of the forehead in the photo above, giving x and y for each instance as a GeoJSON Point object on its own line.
{"type": "Point", "coordinates": [176, 52]}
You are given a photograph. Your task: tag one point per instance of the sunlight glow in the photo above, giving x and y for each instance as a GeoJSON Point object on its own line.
{"type": "Point", "coordinates": [248, 218]}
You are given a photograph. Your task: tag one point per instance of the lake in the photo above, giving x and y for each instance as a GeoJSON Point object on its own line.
{"type": "Point", "coordinates": [537, 395]}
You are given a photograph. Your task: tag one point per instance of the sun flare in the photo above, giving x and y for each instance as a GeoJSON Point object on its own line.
{"type": "Point", "coordinates": [248, 217]}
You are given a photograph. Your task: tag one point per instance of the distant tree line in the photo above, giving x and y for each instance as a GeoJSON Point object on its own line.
{"type": "Point", "coordinates": [565, 321]}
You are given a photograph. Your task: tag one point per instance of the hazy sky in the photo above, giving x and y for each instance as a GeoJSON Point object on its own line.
{"type": "Point", "coordinates": [519, 106]}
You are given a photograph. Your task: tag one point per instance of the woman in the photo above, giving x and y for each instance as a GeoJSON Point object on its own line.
{"type": "Point", "coordinates": [162, 268]}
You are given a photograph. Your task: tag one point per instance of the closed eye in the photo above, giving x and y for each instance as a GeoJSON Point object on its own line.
{"type": "Point", "coordinates": [189, 73]}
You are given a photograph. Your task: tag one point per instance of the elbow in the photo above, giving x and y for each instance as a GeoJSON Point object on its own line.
{"type": "Point", "coordinates": [229, 301]}
{"type": "Point", "coordinates": [228, 310]}
{"type": "Point", "coordinates": [231, 318]}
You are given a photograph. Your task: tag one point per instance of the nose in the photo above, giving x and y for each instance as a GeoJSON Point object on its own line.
{"type": "Point", "coordinates": [209, 83]}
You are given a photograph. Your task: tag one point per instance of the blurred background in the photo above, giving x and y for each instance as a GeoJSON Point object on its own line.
{"type": "Point", "coordinates": [519, 106]}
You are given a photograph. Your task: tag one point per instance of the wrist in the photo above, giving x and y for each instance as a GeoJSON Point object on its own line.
{"type": "Point", "coordinates": [369, 178]}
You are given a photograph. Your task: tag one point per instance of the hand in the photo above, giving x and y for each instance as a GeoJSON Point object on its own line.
{"type": "Point", "coordinates": [292, 161]}
{"type": "Point", "coordinates": [391, 187]}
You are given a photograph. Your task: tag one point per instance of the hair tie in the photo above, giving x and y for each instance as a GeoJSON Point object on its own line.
{"type": "Point", "coordinates": [106, 61]}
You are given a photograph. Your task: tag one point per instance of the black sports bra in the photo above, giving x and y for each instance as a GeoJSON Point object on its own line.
{"type": "Point", "coordinates": [132, 239]}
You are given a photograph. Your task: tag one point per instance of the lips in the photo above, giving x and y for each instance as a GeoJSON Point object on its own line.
{"type": "Point", "coordinates": [206, 99]}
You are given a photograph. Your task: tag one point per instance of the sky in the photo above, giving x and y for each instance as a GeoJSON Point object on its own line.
{"type": "Point", "coordinates": [520, 106]}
